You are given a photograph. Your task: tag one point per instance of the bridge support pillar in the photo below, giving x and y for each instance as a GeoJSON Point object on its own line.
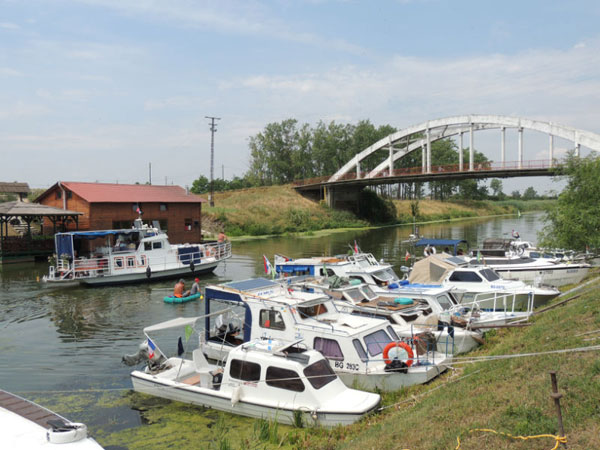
{"type": "Point", "coordinates": [471, 159]}
{"type": "Point", "coordinates": [460, 153]}
{"type": "Point", "coordinates": [551, 149]}
{"type": "Point", "coordinates": [503, 145]}
{"type": "Point", "coordinates": [423, 158]}
{"type": "Point", "coordinates": [520, 156]}
{"type": "Point", "coordinates": [577, 149]}
{"type": "Point", "coordinates": [391, 167]}
{"type": "Point", "coordinates": [343, 197]}
{"type": "Point", "coordinates": [428, 136]}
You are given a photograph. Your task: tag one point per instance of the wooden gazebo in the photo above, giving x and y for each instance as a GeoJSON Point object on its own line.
{"type": "Point", "coordinates": [20, 248]}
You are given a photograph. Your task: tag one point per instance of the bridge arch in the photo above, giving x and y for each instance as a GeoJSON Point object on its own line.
{"type": "Point", "coordinates": [403, 142]}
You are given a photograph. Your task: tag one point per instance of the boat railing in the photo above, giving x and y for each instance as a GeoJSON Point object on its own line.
{"type": "Point", "coordinates": [90, 267]}
{"type": "Point", "coordinates": [497, 302]}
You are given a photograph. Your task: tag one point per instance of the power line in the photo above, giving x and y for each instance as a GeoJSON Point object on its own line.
{"type": "Point", "coordinates": [213, 130]}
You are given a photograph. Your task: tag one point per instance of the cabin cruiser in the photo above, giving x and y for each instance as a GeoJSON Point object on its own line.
{"type": "Point", "coordinates": [141, 253]}
{"type": "Point", "coordinates": [418, 310]}
{"type": "Point", "coordinates": [515, 259]}
{"type": "Point", "coordinates": [362, 350]}
{"type": "Point", "coordinates": [262, 378]}
{"type": "Point", "coordinates": [28, 426]}
{"type": "Point", "coordinates": [479, 283]}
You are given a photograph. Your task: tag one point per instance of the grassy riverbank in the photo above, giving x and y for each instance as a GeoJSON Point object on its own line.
{"type": "Point", "coordinates": [280, 209]}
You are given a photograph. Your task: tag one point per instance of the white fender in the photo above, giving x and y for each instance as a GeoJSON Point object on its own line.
{"type": "Point", "coordinates": [236, 395]}
{"type": "Point", "coordinates": [75, 432]}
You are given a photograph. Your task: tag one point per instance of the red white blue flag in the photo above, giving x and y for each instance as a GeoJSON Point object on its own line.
{"type": "Point", "coordinates": [355, 247]}
{"type": "Point", "coordinates": [152, 348]}
{"type": "Point", "coordinates": [268, 268]}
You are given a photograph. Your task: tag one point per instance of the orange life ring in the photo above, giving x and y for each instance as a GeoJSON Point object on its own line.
{"type": "Point", "coordinates": [403, 345]}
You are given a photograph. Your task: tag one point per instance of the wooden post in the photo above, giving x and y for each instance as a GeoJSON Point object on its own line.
{"type": "Point", "coordinates": [556, 396]}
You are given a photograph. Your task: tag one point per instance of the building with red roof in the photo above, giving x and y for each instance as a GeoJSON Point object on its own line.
{"type": "Point", "coordinates": [106, 206]}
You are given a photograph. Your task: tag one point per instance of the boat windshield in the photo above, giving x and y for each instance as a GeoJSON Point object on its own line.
{"type": "Point", "coordinates": [354, 295]}
{"type": "Point", "coordinates": [320, 374]}
{"type": "Point", "coordinates": [368, 292]}
{"type": "Point", "coordinates": [489, 274]}
{"type": "Point", "coordinates": [444, 302]}
{"type": "Point", "coordinates": [376, 342]}
{"type": "Point", "coordinates": [385, 275]}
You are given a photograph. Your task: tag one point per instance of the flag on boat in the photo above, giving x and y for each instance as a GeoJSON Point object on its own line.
{"type": "Point", "coordinates": [407, 256]}
{"type": "Point", "coordinates": [180, 350]}
{"type": "Point", "coordinates": [138, 210]}
{"type": "Point", "coordinates": [268, 268]}
{"type": "Point", "coordinates": [152, 348]}
{"type": "Point", "coordinates": [355, 247]}
{"type": "Point", "coordinates": [478, 256]}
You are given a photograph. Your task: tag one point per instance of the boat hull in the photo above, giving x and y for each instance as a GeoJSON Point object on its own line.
{"type": "Point", "coordinates": [393, 381]}
{"type": "Point", "coordinates": [544, 277]}
{"type": "Point", "coordinates": [153, 385]}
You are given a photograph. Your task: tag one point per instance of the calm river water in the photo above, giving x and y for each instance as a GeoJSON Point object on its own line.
{"type": "Point", "coordinates": [57, 343]}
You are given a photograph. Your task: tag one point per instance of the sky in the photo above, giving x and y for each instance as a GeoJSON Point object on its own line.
{"type": "Point", "coordinates": [97, 90]}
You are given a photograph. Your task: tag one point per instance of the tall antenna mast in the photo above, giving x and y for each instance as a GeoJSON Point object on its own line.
{"type": "Point", "coordinates": [213, 130]}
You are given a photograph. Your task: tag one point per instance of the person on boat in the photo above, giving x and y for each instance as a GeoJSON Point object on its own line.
{"type": "Point", "coordinates": [222, 237]}
{"type": "Point", "coordinates": [178, 290]}
{"type": "Point", "coordinates": [195, 287]}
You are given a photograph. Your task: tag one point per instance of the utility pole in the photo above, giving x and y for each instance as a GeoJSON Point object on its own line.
{"type": "Point", "coordinates": [223, 172]}
{"type": "Point", "coordinates": [150, 173]}
{"type": "Point", "coordinates": [213, 130]}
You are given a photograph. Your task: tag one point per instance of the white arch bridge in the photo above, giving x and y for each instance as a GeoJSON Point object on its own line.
{"type": "Point", "coordinates": [418, 138]}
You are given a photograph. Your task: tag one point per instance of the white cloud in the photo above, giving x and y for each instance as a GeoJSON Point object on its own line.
{"type": "Point", "coordinates": [9, 26]}
{"type": "Point", "coordinates": [7, 71]}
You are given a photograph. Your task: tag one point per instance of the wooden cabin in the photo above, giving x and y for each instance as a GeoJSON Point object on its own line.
{"type": "Point", "coordinates": [107, 206]}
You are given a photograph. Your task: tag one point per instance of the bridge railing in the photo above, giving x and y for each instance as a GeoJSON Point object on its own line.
{"type": "Point", "coordinates": [449, 168]}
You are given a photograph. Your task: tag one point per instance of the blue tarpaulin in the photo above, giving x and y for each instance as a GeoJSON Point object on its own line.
{"type": "Point", "coordinates": [64, 245]}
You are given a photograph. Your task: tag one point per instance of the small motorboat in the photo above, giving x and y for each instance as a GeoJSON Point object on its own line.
{"type": "Point", "coordinates": [27, 425]}
{"type": "Point", "coordinates": [189, 298]}
{"type": "Point", "coordinates": [263, 378]}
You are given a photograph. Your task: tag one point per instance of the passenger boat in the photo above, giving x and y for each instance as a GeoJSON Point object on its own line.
{"type": "Point", "coordinates": [26, 425]}
{"type": "Point", "coordinates": [360, 349]}
{"type": "Point", "coordinates": [262, 378]}
{"type": "Point", "coordinates": [141, 253]}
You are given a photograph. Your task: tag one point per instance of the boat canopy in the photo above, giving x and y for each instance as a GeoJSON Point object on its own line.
{"type": "Point", "coordinates": [441, 242]}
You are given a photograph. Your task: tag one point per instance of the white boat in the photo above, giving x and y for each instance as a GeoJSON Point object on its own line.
{"type": "Point", "coordinates": [364, 351]}
{"type": "Point", "coordinates": [479, 283]}
{"type": "Point", "coordinates": [418, 311]}
{"type": "Point", "coordinates": [141, 253]}
{"type": "Point", "coordinates": [514, 259]}
{"type": "Point", "coordinates": [269, 379]}
{"type": "Point", "coordinates": [25, 425]}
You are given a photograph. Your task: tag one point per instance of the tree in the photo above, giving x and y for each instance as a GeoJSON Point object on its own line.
{"type": "Point", "coordinates": [529, 194]}
{"type": "Point", "coordinates": [496, 187]}
{"type": "Point", "coordinates": [200, 185]}
{"type": "Point", "coordinates": [575, 221]}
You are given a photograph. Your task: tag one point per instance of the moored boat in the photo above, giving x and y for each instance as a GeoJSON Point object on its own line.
{"type": "Point", "coordinates": [272, 379]}
{"type": "Point", "coordinates": [141, 253]}
{"type": "Point", "coordinates": [26, 425]}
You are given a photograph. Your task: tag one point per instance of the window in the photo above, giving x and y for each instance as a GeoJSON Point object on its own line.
{"type": "Point", "coordinates": [156, 245]}
{"type": "Point", "coordinates": [319, 374]}
{"type": "Point", "coordinates": [271, 319]}
{"type": "Point", "coordinates": [130, 262]}
{"type": "Point", "coordinates": [444, 301]}
{"type": "Point", "coordinates": [188, 224]}
{"type": "Point", "coordinates": [118, 262]}
{"type": "Point", "coordinates": [121, 224]}
{"type": "Point", "coordinates": [244, 370]}
{"type": "Point", "coordinates": [326, 272]}
{"type": "Point", "coordinates": [311, 311]}
{"type": "Point", "coordinates": [393, 333]}
{"type": "Point", "coordinates": [69, 194]}
{"type": "Point", "coordinates": [58, 194]}
{"type": "Point", "coordinates": [163, 207]}
{"type": "Point", "coordinates": [142, 261]}
{"type": "Point", "coordinates": [376, 342]}
{"type": "Point", "coordinates": [469, 277]}
{"type": "Point", "coordinates": [147, 246]}
{"type": "Point", "coordinates": [489, 274]}
{"type": "Point", "coordinates": [360, 350]}
{"type": "Point", "coordinates": [284, 379]}
{"type": "Point", "coordinates": [329, 348]}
